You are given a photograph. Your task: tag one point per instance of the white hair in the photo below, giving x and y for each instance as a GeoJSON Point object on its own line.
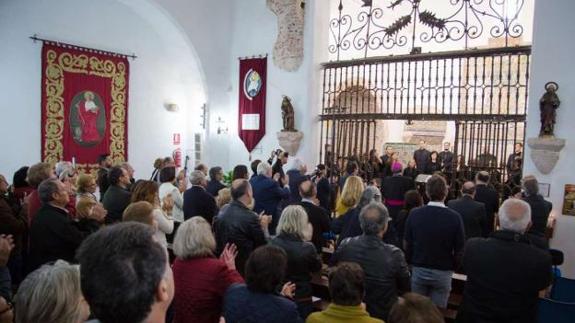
{"type": "Point", "coordinates": [263, 168]}
{"type": "Point", "coordinates": [197, 177]}
{"type": "Point", "coordinates": [194, 239]}
{"type": "Point", "coordinates": [515, 215]}
{"type": "Point", "coordinates": [62, 166]}
{"type": "Point", "coordinates": [51, 293]}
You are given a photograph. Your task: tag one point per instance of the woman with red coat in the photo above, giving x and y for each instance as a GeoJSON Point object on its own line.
{"type": "Point", "coordinates": [200, 278]}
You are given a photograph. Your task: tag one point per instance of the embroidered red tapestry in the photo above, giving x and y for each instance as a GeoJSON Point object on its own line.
{"type": "Point", "coordinates": [252, 101]}
{"type": "Point", "coordinates": [84, 105]}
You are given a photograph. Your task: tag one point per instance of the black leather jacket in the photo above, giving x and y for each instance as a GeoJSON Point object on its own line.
{"type": "Point", "coordinates": [239, 225]}
{"type": "Point", "coordinates": [386, 273]}
{"type": "Point", "coordinates": [303, 260]}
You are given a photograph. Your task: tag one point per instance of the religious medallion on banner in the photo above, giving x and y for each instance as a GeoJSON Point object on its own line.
{"type": "Point", "coordinates": [252, 101]}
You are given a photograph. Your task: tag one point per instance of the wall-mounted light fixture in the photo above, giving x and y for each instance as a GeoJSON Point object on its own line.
{"type": "Point", "coordinates": [222, 126]}
{"type": "Point", "coordinates": [172, 107]}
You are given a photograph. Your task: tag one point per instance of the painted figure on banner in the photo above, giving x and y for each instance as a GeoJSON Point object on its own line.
{"type": "Point", "coordinates": [252, 84]}
{"type": "Point", "coordinates": [87, 118]}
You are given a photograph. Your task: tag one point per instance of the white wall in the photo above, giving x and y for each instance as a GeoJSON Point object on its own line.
{"type": "Point", "coordinates": [166, 70]}
{"type": "Point", "coordinates": [552, 60]}
{"type": "Point", "coordinates": [222, 31]}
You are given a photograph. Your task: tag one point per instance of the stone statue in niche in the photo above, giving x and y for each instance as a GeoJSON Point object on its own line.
{"type": "Point", "coordinates": [548, 103]}
{"type": "Point", "coordinates": [288, 49]}
{"type": "Point", "coordinates": [288, 115]}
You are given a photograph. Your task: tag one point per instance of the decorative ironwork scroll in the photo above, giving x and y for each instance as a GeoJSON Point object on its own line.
{"type": "Point", "coordinates": [388, 24]}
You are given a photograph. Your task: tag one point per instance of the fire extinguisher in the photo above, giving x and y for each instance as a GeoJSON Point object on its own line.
{"type": "Point", "coordinates": [177, 155]}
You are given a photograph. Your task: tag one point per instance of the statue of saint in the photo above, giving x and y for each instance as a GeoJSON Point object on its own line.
{"type": "Point", "coordinates": [548, 103]}
{"type": "Point", "coordinates": [288, 115]}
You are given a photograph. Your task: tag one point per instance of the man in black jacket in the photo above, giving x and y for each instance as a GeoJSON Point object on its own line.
{"type": "Point", "coordinates": [324, 189]}
{"type": "Point", "coordinates": [215, 183]}
{"type": "Point", "coordinates": [53, 234]}
{"type": "Point", "coordinates": [197, 201]}
{"type": "Point", "coordinates": [472, 213]}
{"type": "Point", "coordinates": [386, 272]}
{"type": "Point", "coordinates": [239, 225]}
{"type": "Point", "coordinates": [104, 165]}
{"type": "Point", "coordinates": [421, 157]}
{"type": "Point", "coordinates": [505, 272]}
{"type": "Point", "coordinates": [540, 208]}
{"type": "Point", "coordinates": [317, 216]}
{"type": "Point", "coordinates": [489, 197]}
{"type": "Point", "coordinates": [117, 197]}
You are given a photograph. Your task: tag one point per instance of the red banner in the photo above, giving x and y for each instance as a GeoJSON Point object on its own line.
{"type": "Point", "coordinates": [84, 105]}
{"type": "Point", "coordinates": [252, 101]}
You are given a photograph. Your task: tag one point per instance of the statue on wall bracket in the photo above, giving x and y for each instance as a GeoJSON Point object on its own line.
{"type": "Point", "coordinates": [546, 148]}
{"type": "Point", "coordinates": [289, 138]}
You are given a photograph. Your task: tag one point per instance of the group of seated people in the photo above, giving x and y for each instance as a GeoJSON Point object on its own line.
{"type": "Point", "coordinates": [163, 250]}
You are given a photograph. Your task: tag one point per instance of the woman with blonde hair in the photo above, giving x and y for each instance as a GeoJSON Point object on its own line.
{"type": "Point", "coordinates": [294, 233]}
{"type": "Point", "coordinates": [224, 198]}
{"type": "Point", "coordinates": [148, 191]}
{"type": "Point", "coordinates": [51, 293]}
{"type": "Point", "coordinates": [350, 195]}
{"type": "Point", "coordinates": [200, 278]}
{"type": "Point", "coordinates": [86, 201]}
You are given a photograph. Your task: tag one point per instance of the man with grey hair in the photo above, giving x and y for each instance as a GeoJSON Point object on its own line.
{"type": "Point", "coordinates": [268, 193]}
{"type": "Point", "coordinates": [540, 208]}
{"type": "Point", "coordinates": [53, 234]}
{"type": "Point", "coordinates": [215, 184]}
{"type": "Point", "coordinates": [505, 272]}
{"type": "Point", "coordinates": [386, 272]}
{"type": "Point", "coordinates": [296, 174]}
{"type": "Point", "coordinates": [197, 201]}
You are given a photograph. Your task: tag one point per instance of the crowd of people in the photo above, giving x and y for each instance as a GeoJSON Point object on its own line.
{"type": "Point", "coordinates": [179, 247]}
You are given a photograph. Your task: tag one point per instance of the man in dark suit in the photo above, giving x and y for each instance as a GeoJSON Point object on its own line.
{"type": "Point", "coordinates": [53, 234]}
{"type": "Point", "coordinates": [489, 197]}
{"type": "Point", "coordinates": [540, 208]}
{"type": "Point", "coordinates": [505, 272]}
{"type": "Point", "coordinates": [421, 157]}
{"type": "Point", "coordinates": [104, 165]}
{"type": "Point", "coordinates": [517, 154]}
{"type": "Point", "coordinates": [296, 176]}
{"type": "Point", "coordinates": [472, 213]}
{"type": "Point", "coordinates": [277, 168]}
{"type": "Point", "coordinates": [268, 193]}
{"type": "Point", "coordinates": [323, 188]}
{"type": "Point", "coordinates": [117, 197]}
{"type": "Point", "coordinates": [394, 189]}
{"type": "Point", "coordinates": [446, 160]}
{"type": "Point", "coordinates": [317, 216]}
{"type": "Point", "coordinates": [197, 201]}
{"type": "Point", "coordinates": [215, 183]}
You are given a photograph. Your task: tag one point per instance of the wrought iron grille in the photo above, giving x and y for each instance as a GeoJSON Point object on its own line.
{"type": "Point", "coordinates": [484, 91]}
{"type": "Point", "coordinates": [363, 28]}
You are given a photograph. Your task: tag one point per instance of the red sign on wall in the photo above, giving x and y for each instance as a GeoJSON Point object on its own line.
{"type": "Point", "coordinates": [176, 139]}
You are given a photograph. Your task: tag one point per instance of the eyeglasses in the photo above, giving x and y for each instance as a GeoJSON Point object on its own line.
{"type": "Point", "coordinates": [7, 309]}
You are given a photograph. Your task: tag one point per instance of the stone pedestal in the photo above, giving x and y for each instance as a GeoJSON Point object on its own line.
{"type": "Point", "coordinates": [289, 141]}
{"type": "Point", "coordinates": [545, 152]}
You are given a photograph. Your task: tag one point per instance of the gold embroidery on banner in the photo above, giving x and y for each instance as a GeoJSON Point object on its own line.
{"type": "Point", "coordinates": [83, 64]}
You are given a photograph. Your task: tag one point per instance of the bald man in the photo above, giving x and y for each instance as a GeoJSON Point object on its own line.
{"type": "Point", "coordinates": [318, 216]}
{"type": "Point", "coordinates": [239, 225]}
{"type": "Point", "coordinates": [505, 272]}
{"type": "Point", "coordinates": [472, 213]}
